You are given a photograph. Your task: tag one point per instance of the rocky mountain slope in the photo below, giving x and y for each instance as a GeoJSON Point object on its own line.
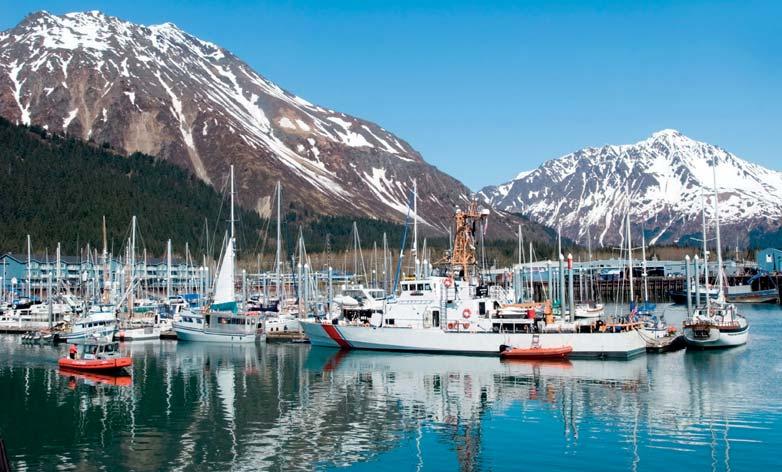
{"type": "Point", "coordinates": [161, 91]}
{"type": "Point", "coordinates": [663, 181]}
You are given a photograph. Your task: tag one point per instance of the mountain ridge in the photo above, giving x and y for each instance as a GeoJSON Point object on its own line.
{"type": "Point", "coordinates": [664, 175]}
{"type": "Point", "coordinates": [161, 91]}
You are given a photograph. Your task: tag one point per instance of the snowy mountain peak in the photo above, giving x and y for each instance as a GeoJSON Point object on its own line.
{"type": "Point", "coordinates": [666, 175]}
{"type": "Point", "coordinates": [162, 91]}
{"type": "Point", "coordinates": [664, 133]}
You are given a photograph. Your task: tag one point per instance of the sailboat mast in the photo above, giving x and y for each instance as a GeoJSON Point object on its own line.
{"type": "Point", "coordinates": [589, 254]}
{"type": "Point", "coordinates": [414, 251]}
{"type": "Point", "coordinates": [630, 258]}
{"type": "Point", "coordinates": [644, 274]}
{"type": "Point", "coordinates": [133, 247]}
{"type": "Point", "coordinates": [168, 269]}
{"type": "Point", "coordinates": [705, 252]}
{"type": "Point", "coordinates": [522, 257]}
{"type": "Point", "coordinates": [132, 258]}
{"type": "Point", "coordinates": [144, 275]}
{"type": "Point", "coordinates": [279, 245]}
{"type": "Point", "coordinates": [29, 268]}
{"type": "Point", "coordinates": [385, 263]}
{"type": "Point", "coordinates": [106, 268]}
{"type": "Point", "coordinates": [531, 286]}
{"type": "Point", "coordinates": [59, 266]}
{"type": "Point", "coordinates": [720, 293]}
{"type": "Point", "coordinates": [233, 234]}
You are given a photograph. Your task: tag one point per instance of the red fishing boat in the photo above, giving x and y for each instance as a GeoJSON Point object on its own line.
{"type": "Point", "coordinates": [95, 357]}
{"type": "Point", "coordinates": [535, 352]}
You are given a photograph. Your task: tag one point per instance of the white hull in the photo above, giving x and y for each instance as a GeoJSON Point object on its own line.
{"type": "Point", "coordinates": [282, 325]}
{"type": "Point", "coordinates": [195, 334]}
{"type": "Point", "coordinates": [106, 335]}
{"type": "Point", "coordinates": [587, 312]}
{"type": "Point", "coordinates": [138, 334]}
{"type": "Point", "coordinates": [585, 345]}
{"type": "Point", "coordinates": [30, 325]}
{"type": "Point", "coordinates": [717, 339]}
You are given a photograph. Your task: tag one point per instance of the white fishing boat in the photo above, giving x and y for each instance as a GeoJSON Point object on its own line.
{"type": "Point", "coordinates": [100, 323]}
{"type": "Point", "coordinates": [716, 324]}
{"type": "Point", "coordinates": [33, 317]}
{"type": "Point", "coordinates": [140, 329]}
{"type": "Point", "coordinates": [221, 320]}
{"type": "Point", "coordinates": [454, 313]}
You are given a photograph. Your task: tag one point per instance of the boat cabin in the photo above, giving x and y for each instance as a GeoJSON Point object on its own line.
{"type": "Point", "coordinates": [97, 351]}
{"type": "Point", "coordinates": [230, 324]}
{"type": "Point", "coordinates": [416, 287]}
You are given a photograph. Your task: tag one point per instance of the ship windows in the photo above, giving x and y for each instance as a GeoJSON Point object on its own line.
{"type": "Point", "coordinates": [428, 287]}
{"type": "Point", "coordinates": [420, 287]}
{"type": "Point", "coordinates": [389, 321]}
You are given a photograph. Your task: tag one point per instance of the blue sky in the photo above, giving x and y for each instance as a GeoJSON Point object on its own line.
{"type": "Point", "coordinates": [487, 89]}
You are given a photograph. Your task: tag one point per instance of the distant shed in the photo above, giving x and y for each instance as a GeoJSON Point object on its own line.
{"type": "Point", "coordinates": [769, 260]}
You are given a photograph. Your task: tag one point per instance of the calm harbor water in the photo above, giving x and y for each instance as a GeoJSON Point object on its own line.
{"type": "Point", "coordinates": [287, 407]}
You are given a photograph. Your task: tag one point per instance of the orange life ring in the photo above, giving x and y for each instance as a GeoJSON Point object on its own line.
{"type": "Point", "coordinates": [450, 325]}
{"type": "Point", "coordinates": [466, 313]}
{"type": "Point", "coordinates": [466, 325]}
{"type": "Point", "coordinates": [448, 282]}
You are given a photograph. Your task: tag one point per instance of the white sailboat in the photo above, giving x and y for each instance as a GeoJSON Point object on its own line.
{"type": "Point", "coordinates": [717, 324]}
{"type": "Point", "coordinates": [286, 318]}
{"type": "Point", "coordinates": [590, 308]}
{"type": "Point", "coordinates": [221, 321]}
{"type": "Point", "coordinates": [142, 321]}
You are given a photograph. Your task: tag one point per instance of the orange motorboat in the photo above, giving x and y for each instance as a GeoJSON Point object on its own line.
{"type": "Point", "coordinates": [535, 352]}
{"type": "Point", "coordinates": [95, 357]}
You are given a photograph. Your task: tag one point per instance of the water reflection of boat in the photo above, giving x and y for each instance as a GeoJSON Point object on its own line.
{"type": "Point", "coordinates": [206, 356]}
{"type": "Point", "coordinates": [535, 352]}
{"type": "Point", "coordinates": [93, 378]}
{"type": "Point", "coordinates": [560, 363]}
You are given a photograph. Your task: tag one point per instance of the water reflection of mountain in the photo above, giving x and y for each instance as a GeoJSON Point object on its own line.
{"type": "Point", "coordinates": [293, 407]}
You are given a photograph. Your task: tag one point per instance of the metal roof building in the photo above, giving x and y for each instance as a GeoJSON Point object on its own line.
{"type": "Point", "coordinates": [769, 260]}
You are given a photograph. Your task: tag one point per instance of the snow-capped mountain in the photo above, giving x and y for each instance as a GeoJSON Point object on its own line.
{"type": "Point", "coordinates": [158, 90]}
{"type": "Point", "coordinates": [663, 181]}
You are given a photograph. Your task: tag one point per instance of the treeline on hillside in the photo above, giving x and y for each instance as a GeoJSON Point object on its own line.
{"type": "Point", "coordinates": [59, 188]}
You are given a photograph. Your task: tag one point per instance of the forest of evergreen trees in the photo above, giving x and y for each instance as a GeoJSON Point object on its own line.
{"type": "Point", "coordinates": [58, 189]}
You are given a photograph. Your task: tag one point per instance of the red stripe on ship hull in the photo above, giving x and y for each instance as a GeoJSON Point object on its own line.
{"type": "Point", "coordinates": [334, 334]}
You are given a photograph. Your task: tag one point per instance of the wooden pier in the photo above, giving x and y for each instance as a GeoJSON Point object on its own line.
{"type": "Point", "coordinates": [659, 288]}
{"type": "Point", "coordinates": [15, 329]}
{"type": "Point", "coordinates": [616, 290]}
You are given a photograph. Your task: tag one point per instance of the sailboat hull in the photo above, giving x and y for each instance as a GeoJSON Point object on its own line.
{"type": "Point", "coordinates": [200, 335]}
{"type": "Point", "coordinates": [714, 338]}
